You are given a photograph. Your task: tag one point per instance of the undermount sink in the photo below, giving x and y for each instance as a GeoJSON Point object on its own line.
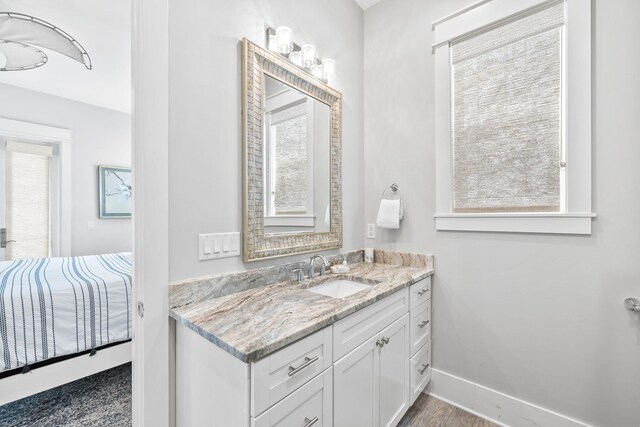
{"type": "Point", "coordinates": [339, 288]}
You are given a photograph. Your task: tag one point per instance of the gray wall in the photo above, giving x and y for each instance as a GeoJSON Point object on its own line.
{"type": "Point", "coordinates": [534, 316]}
{"type": "Point", "coordinates": [100, 137]}
{"type": "Point", "coordinates": [205, 122]}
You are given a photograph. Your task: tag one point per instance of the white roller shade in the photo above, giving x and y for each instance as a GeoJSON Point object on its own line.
{"type": "Point", "coordinates": [507, 115]}
{"type": "Point", "coordinates": [28, 199]}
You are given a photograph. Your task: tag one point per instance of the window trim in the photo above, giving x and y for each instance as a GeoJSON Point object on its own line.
{"type": "Point", "coordinates": [61, 140]}
{"type": "Point", "coordinates": [577, 217]}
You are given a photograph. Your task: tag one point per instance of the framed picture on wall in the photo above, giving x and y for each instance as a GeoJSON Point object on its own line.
{"type": "Point", "coordinates": [114, 191]}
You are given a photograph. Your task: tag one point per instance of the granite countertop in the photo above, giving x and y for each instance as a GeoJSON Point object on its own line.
{"type": "Point", "coordinates": [256, 322]}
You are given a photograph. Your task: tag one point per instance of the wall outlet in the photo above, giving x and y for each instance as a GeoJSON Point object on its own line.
{"type": "Point", "coordinates": [218, 245]}
{"type": "Point", "coordinates": [371, 231]}
{"type": "Point", "coordinates": [91, 225]}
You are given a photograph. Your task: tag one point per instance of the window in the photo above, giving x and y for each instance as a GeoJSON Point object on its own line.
{"type": "Point", "coordinates": [28, 200]}
{"type": "Point", "coordinates": [26, 151]}
{"type": "Point", "coordinates": [288, 148]}
{"type": "Point", "coordinates": [508, 117]}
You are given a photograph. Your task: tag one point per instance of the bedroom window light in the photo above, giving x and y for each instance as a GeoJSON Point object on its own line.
{"type": "Point", "coordinates": [513, 112]}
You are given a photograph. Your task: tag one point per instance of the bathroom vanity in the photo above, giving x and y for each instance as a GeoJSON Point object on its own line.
{"type": "Point", "coordinates": [267, 347]}
{"type": "Point", "coordinates": [284, 355]}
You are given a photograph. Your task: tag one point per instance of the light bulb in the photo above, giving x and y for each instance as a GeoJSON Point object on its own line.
{"type": "Point", "coordinates": [316, 70]}
{"type": "Point", "coordinates": [308, 55]}
{"type": "Point", "coordinates": [296, 58]}
{"type": "Point", "coordinates": [284, 35]}
{"type": "Point", "coordinates": [328, 69]}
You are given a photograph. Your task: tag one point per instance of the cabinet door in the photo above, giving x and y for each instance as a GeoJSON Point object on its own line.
{"type": "Point", "coordinates": [356, 392]}
{"type": "Point", "coordinates": [394, 372]}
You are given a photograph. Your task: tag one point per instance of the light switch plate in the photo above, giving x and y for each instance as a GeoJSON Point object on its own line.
{"type": "Point", "coordinates": [371, 231]}
{"type": "Point", "coordinates": [218, 245]}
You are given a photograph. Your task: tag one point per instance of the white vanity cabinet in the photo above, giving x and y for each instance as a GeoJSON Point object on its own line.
{"type": "Point", "coordinates": [371, 382]}
{"type": "Point", "coordinates": [420, 341]}
{"type": "Point", "coordinates": [364, 370]}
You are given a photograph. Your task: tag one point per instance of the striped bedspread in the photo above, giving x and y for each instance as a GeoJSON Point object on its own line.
{"type": "Point", "coordinates": [52, 307]}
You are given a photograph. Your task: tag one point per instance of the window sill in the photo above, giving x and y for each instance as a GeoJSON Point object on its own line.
{"type": "Point", "coordinates": [547, 223]}
{"type": "Point", "coordinates": [290, 221]}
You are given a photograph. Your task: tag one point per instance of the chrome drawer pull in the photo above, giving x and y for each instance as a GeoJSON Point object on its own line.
{"type": "Point", "coordinates": [423, 324]}
{"type": "Point", "coordinates": [424, 368]}
{"type": "Point", "coordinates": [307, 362]}
{"type": "Point", "coordinates": [310, 422]}
{"type": "Point", "coordinates": [423, 291]}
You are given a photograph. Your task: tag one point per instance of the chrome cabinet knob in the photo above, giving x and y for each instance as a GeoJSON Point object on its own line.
{"type": "Point", "coordinates": [632, 304]}
{"type": "Point", "coordinates": [385, 340]}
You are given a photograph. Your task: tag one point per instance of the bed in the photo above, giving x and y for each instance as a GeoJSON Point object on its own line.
{"type": "Point", "coordinates": [51, 308]}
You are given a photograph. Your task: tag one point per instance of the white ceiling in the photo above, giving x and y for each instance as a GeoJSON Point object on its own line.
{"type": "Point", "coordinates": [366, 4]}
{"type": "Point", "coordinates": [103, 28]}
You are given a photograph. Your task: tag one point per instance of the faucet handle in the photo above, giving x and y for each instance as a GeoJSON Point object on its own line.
{"type": "Point", "coordinates": [299, 276]}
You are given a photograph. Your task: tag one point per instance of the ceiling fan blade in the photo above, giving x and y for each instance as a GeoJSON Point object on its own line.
{"type": "Point", "coordinates": [29, 30]}
{"type": "Point", "coordinates": [16, 56]}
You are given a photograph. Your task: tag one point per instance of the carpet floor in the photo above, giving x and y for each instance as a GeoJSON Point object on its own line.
{"type": "Point", "coordinates": [103, 399]}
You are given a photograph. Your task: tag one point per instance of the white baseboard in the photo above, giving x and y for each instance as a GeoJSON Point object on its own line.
{"type": "Point", "coordinates": [47, 377]}
{"type": "Point", "coordinates": [493, 405]}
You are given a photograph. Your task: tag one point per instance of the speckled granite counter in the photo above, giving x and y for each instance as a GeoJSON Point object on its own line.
{"type": "Point", "coordinates": [256, 322]}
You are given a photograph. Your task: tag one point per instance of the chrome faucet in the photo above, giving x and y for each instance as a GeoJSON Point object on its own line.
{"type": "Point", "coordinates": [323, 266]}
{"type": "Point", "coordinates": [298, 274]}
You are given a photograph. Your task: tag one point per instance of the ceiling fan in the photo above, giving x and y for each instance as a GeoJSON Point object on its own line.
{"type": "Point", "coordinates": [22, 36]}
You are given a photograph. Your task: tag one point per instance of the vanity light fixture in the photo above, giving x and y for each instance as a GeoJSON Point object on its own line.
{"type": "Point", "coordinates": [280, 41]}
{"type": "Point", "coordinates": [309, 55]}
{"type": "Point", "coordinates": [328, 69]}
{"type": "Point", "coordinates": [272, 42]}
{"type": "Point", "coordinates": [284, 38]}
{"type": "Point", "coordinates": [296, 58]}
{"type": "Point", "coordinates": [316, 70]}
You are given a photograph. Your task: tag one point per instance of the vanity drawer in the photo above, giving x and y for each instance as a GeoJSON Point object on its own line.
{"type": "Point", "coordinates": [420, 292]}
{"type": "Point", "coordinates": [355, 329]}
{"type": "Point", "coordinates": [420, 326]}
{"type": "Point", "coordinates": [281, 373]}
{"type": "Point", "coordinates": [311, 405]}
{"type": "Point", "coordinates": [420, 371]}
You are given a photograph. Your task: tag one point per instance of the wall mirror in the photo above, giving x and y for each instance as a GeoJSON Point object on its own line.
{"type": "Point", "coordinates": [292, 125]}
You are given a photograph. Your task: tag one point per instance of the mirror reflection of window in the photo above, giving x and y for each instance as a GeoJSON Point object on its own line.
{"type": "Point", "coordinates": [289, 151]}
{"type": "Point", "coordinates": [296, 161]}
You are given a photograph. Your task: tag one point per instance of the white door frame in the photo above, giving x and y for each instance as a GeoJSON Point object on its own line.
{"type": "Point", "coordinates": [150, 155]}
{"type": "Point", "coordinates": [60, 138]}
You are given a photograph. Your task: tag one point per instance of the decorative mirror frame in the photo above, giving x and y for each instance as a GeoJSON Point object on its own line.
{"type": "Point", "coordinates": [256, 62]}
